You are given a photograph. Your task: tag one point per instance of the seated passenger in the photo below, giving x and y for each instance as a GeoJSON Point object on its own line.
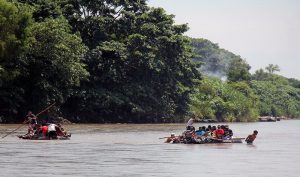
{"type": "Point", "coordinates": [209, 127]}
{"type": "Point", "coordinates": [189, 136]}
{"type": "Point", "coordinates": [227, 133]}
{"type": "Point", "coordinates": [52, 131]}
{"type": "Point", "coordinates": [44, 130]}
{"type": "Point", "coordinates": [38, 131]}
{"type": "Point", "coordinates": [172, 139]}
{"type": "Point", "coordinates": [213, 131]}
{"type": "Point", "coordinates": [219, 132]}
{"type": "Point", "coordinates": [201, 131]}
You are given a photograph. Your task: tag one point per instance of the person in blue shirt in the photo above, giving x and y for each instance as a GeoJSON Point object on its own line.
{"type": "Point", "coordinates": [201, 131]}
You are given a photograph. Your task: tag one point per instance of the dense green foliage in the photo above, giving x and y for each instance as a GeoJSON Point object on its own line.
{"type": "Point", "coordinates": [15, 41]}
{"type": "Point", "coordinates": [54, 63]}
{"type": "Point", "coordinates": [103, 61]}
{"type": "Point", "coordinates": [242, 97]}
{"type": "Point", "coordinates": [138, 60]}
{"type": "Point", "coordinates": [232, 100]}
{"type": "Point", "coordinates": [278, 95]}
{"type": "Point", "coordinates": [121, 61]}
{"type": "Point", "coordinates": [221, 101]}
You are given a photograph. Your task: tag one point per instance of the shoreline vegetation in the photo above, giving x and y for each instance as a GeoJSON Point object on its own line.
{"type": "Point", "coordinates": [124, 62]}
{"type": "Point", "coordinates": [204, 121]}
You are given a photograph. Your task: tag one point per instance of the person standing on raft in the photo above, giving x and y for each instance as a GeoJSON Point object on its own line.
{"type": "Point", "coordinates": [189, 124]}
{"type": "Point", "coordinates": [252, 137]}
{"type": "Point", "coordinates": [31, 119]}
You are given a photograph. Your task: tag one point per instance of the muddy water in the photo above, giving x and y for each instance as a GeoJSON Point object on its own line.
{"type": "Point", "coordinates": [136, 150]}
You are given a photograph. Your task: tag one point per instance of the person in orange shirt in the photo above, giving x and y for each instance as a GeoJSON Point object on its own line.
{"type": "Point", "coordinates": [252, 137]}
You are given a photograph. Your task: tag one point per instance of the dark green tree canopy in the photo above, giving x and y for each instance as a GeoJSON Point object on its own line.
{"type": "Point", "coordinates": [107, 61]}
{"type": "Point", "coordinates": [239, 71]}
{"type": "Point", "coordinates": [122, 61]}
{"type": "Point", "coordinates": [144, 72]}
{"type": "Point", "coordinates": [14, 38]}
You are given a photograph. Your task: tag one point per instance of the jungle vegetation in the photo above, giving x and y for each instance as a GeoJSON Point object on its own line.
{"type": "Point", "coordinates": [122, 61]}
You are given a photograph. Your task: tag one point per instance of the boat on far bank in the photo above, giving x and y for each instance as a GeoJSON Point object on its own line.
{"type": "Point", "coordinates": [271, 118]}
{"type": "Point", "coordinates": [207, 121]}
{"type": "Point", "coordinates": [267, 119]}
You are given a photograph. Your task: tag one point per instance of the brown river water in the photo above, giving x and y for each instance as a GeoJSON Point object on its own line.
{"type": "Point", "coordinates": [136, 150]}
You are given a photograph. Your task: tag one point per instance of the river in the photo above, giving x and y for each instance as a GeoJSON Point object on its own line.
{"type": "Point", "coordinates": [136, 150]}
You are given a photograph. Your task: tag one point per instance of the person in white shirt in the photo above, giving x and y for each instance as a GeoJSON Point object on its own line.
{"type": "Point", "coordinates": [52, 131]}
{"type": "Point", "coordinates": [190, 123]}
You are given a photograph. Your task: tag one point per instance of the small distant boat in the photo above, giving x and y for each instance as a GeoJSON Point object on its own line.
{"type": "Point", "coordinates": [207, 120]}
{"type": "Point", "coordinates": [267, 119]}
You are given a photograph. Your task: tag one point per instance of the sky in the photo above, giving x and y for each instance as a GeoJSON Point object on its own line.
{"type": "Point", "coordinates": [261, 31]}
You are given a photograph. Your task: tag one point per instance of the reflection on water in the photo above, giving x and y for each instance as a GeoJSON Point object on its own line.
{"type": "Point", "coordinates": [136, 150]}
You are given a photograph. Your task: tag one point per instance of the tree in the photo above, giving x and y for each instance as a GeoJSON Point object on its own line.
{"type": "Point", "coordinates": [14, 38]}
{"type": "Point", "coordinates": [102, 20]}
{"type": "Point", "coordinates": [271, 68]}
{"type": "Point", "coordinates": [15, 41]}
{"type": "Point", "coordinates": [145, 74]}
{"type": "Point", "coordinates": [54, 64]}
{"type": "Point", "coordinates": [238, 70]}
{"type": "Point", "coordinates": [260, 75]}
{"type": "Point", "coordinates": [277, 98]}
{"type": "Point", "coordinates": [222, 101]}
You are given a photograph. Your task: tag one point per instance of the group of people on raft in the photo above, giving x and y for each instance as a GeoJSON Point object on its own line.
{"type": "Point", "coordinates": [206, 134]}
{"type": "Point", "coordinates": [43, 131]}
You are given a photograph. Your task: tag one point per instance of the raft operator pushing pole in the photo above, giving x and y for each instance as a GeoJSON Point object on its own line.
{"type": "Point", "coordinates": [28, 120]}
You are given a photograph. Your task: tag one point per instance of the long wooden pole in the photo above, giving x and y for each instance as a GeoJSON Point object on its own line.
{"type": "Point", "coordinates": [28, 120]}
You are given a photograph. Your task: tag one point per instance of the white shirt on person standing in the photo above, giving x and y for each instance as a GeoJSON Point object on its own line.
{"type": "Point", "coordinates": [190, 122]}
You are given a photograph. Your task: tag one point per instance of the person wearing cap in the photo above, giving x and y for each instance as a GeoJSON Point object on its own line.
{"type": "Point", "coordinates": [252, 137]}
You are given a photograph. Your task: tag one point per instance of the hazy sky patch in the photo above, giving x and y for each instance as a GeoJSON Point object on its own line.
{"type": "Point", "coordinates": [260, 31]}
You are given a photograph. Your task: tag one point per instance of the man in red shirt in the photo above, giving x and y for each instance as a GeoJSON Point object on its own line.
{"type": "Point", "coordinates": [252, 137]}
{"type": "Point", "coordinates": [219, 132]}
{"type": "Point", "coordinates": [45, 130]}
